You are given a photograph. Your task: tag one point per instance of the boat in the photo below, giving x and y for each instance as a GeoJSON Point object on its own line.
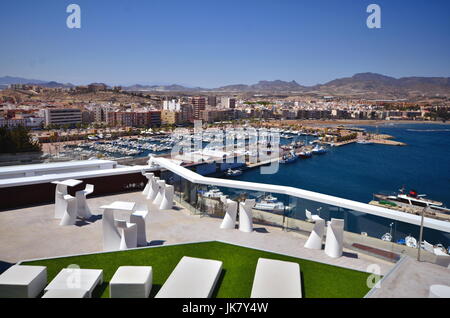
{"type": "Point", "coordinates": [318, 150]}
{"type": "Point", "coordinates": [364, 142]}
{"type": "Point", "coordinates": [233, 173]}
{"type": "Point", "coordinates": [387, 237]}
{"type": "Point", "coordinates": [410, 241]}
{"type": "Point", "coordinates": [270, 204]}
{"type": "Point", "coordinates": [291, 157]}
{"type": "Point", "coordinates": [412, 198]}
{"type": "Point", "coordinates": [305, 154]}
{"type": "Point", "coordinates": [213, 193]}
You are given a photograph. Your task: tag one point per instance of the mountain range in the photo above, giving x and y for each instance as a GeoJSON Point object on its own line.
{"type": "Point", "coordinates": [368, 84]}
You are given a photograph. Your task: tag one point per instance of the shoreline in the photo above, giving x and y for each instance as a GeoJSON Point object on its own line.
{"type": "Point", "coordinates": [356, 122]}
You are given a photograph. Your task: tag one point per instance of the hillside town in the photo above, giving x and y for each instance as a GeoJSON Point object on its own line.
{"type": "Point", "coordinates": [38, 107]}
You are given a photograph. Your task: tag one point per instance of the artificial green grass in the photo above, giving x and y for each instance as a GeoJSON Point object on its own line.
{"type": "Point", "coordinates": [239, 265]}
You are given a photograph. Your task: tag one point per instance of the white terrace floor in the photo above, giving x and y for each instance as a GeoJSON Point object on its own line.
{"type": "Point", "coordinates": [32, 232]}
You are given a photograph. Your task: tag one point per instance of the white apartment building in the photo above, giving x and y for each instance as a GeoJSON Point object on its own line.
{"type": "Point", "coordinates": [62, 116]}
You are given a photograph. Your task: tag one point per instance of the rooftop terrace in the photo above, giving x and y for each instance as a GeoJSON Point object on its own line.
{"type": "Point", "coordinates": [32, 233]}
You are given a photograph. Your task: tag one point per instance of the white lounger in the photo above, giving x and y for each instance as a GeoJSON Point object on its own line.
{"type": "Point", "coordinates": [23, 281]}
{"type": "Point", "coordinates": [66, 293]}
{"type": "Point", "coordinates": [276, 279]}
{"type": "Point", "coordinates": [191, 278]}
{"type": "Point", "coordinates": [131, 282]}
{"type": "Point", "coordinates": [77, 278]}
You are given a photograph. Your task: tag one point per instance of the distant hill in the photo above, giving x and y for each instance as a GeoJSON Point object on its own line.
{"type": "Point", "coordinates": [7, 80]}
{"type": "Point", "coordinates": [371, 85]}
{"type": "Point", "coordinates": [381, 85]}
{"type": "Point", "coordinates": [264, 86]}
{"type": "Point", "coordinates": [173, 88]}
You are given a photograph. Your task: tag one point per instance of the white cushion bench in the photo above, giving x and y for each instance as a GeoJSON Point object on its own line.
{"type": "Point", "coordinates": [77, 278]}
{"type": "Point", "coordinates": [131, 282]}
{"type": "Point", "coordinates": [276, 279]}
{"type": "Point", "coordinates": [191, 278]}
{"type": "Point", "coordinates": [23, 281]}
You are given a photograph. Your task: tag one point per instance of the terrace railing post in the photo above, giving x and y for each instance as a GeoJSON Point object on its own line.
{"type": "Point", "coordinates": [419, 246]}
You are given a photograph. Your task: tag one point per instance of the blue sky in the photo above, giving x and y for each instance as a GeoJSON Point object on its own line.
{"type": "Point", "coordinates": [213, 43]}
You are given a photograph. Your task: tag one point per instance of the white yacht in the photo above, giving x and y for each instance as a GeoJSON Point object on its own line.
{"type": "Point", "coordinates": [213, 193]}
{"type": "Point", "coordinates": [270, 204]}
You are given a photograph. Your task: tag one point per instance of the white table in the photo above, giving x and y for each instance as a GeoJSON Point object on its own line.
{"type": "Point", "coordinates": [66, 293]}
{"type": "Point", "coordinates": [77, 278]}
{"type": "Point", "coordinates": [111, 235]}
{"type": "Point", "coordinates": [439, 291]}
{"type": "Point", "coordinates": [60, 192]}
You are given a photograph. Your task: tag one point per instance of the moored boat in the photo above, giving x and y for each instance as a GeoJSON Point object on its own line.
{"type": "Point", "coordinates": [270, 204]}
{"type": "Point", "coordinates": [233, 173]}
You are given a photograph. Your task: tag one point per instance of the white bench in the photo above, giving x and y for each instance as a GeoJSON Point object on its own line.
{"type": "Point", "coordinates": [276, 279]}
{"type": "Point", "coordinates": [66, 293]}
{"type": "Point", "coordinates": [439, 291]}
{"type": "Point", "coordinates": [23, 281]}
{"type": "Point", "coordinates": [191, 278]}
{"type": "Point", "coordinates": [77, 278]}
{"type": "Point", "coordinates": [131, 282]}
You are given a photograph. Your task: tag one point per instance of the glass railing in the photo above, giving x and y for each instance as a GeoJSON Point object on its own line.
{"type": "Point", "coordinates": [367, 233]}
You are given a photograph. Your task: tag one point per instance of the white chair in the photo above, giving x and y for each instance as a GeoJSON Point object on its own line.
{"type": "Point", "coordinates": [23, 281]}
{"type": "Point", "coordinates": [334, 243]}
{"type": "Point", "coordinates": [60, 192]}
{"type": "Point", "coordinates": [276, 279]}
{"type": "Point", "coordinates": [311, 217]}
{"type": "Point", "coordinates": [315, 238]}
{"type": "Point", "coordinates": [139, 217]}
{"type": "Point", "coordinates": [154, 189]}
{"type": "Point", "coordinates": [70, 210]}
{"type": "Point", "coordinates": [229, 220]}
{"type": "Point", "coordinates": [149, 177]}
{"type": "Point", "coordinates": [82, 207]}
{"type": "Point", "coordinates": [161, 188]}
{"type": "Point", "coordinates": [77, 278]}
{"type": "Point", "coordinates": [192, 278]}
{"type": "Point", "coordinates": [246, 215]}
{"type": "Point", "coordinates": [131, 282]}
{"type": "Point", "coordinates": [128, 234]}
{"type": "Point", "coordinates": [167, 199]}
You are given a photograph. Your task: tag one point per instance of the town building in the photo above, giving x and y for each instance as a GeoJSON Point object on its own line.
{"type": "Point", "coordinates": [62, 116]}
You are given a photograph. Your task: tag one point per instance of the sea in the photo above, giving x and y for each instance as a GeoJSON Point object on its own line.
{"type": "Point", "coordinates": [357, 171]}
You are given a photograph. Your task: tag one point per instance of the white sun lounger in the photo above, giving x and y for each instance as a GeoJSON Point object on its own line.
{"type": "Point", "coordinates": [77, 278]}
{"type": "Point", "coordinates": [191, 278]}
{"type": "Point", "coordinates": [66, 293]}
{"type": "Point", "coordinates": [23, 281]}
{"type": "Point", "coordinates": [276, 279]}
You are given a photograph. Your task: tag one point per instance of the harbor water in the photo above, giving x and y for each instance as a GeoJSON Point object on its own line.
{"type": "Point", "coordinates": [357, 171]}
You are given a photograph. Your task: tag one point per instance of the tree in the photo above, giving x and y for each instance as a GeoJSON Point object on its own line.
{"type": "Point", "coordinates": [16, 140]}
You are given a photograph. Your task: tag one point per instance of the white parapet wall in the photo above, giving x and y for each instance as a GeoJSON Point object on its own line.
{"type": "Point", "coordinates": [41, 169]}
